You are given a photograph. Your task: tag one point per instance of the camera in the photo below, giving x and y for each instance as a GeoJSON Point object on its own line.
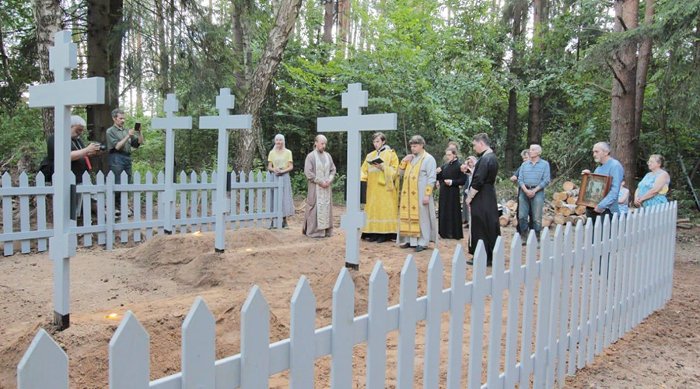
{"type": "Point", "coordinates": [103, 147]}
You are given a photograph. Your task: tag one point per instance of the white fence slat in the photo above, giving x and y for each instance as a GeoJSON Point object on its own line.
{"type": "Point", "coordinates": [603, 276]}
{"type": "Point", "coordinates": [457, 302]}
{"type": "Point", "coordinates": [302, 342]}
{"type": "Point", "coordinates": [476, 329]}
{"type": "Point", "coordinates": [431, 362]}
{"type": "Point", "coordinates": [205, 202]}
{"type": "Point", "coordinates": [556, 248]}
{"type": "Point", "coordinates": [242, 201]}
{"type": "Point", "coordinates": [566, 326]}
{"type": "Point", "coordinates": [44, 365]}
{"type": "Point", "coordinates": [182, 217]}
{"type": "Point", "coordinates": [198, 347]}
{"type": "Point", "coordinates": [408, 313]}
{"type": "Point", "coordinates": [101, 204]}
{"type": "Point", "coordinates": [512, 335]}
{"type": "Point", "coordinates": [376, 327]}
{"type": "Point", "coordinates": [24, 212]}
{"type": "Point", "coordinates": [259, 201]}
{"type": "Point", "coordinates": [612, 276]}
{"type": "Point", "coordinates": [595, 290]}
{"type": "Point", "coordinates": [543, 310]}
{"type": "Point", "coordinates": [137, 207]}
{"type": "Point", "coordinates": [124, 209]}
{"type": "Point", "coordinates": [639, 253]}
{"type": "Point", "coordinates": [87, 208]}
{"type": "Point", "coordinates": [576, 282]}
{"type": "Point", "coordinates": [342, 333]}
{"type": "Point", "coordinates": [7, 222]}
{"type": "Point", "coordinates": [194, 203]}
{"type": "Point", "coordinates": [626, 275]}
{"type": "Point", "coordinates": [110, 211]}
{"type": "Point", "coordinates": [498, 285]}
{"type": "Point", "coordinates": [528, 313]}
{"type": "Point", "coordinates": [129, 356]}
{"type": "Point", "coordinates": [149, 205]}
{"type": "Point", "coordinates": [251, 201]}
{"type": "Point", "coordinates": [585, 291]}
{"type": "Point", "coordinates": [268, 196]}
{"type": "Point", "coordinates": [160, 180]}
{"type": "Point", "coordinates": [40, 199]}
{"type": "Point", "coordinates": [255, 340]}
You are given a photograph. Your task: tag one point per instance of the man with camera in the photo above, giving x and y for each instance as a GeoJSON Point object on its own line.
{"type": "Point", "coordinates": [79, 153]}
{"type": "Point", "coordinates": [120, 143]}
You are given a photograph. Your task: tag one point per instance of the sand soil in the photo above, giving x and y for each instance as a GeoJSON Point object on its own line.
{"type": "Point", "coordinates": [158, 281]}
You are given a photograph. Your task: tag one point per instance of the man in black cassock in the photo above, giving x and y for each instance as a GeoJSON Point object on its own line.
{"type": "Point", "coordinates": [482, 198]}
{"type": "Point", "coordinates": [450, 178]}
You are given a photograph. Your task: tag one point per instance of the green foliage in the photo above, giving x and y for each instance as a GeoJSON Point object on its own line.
{"type": "Point", "coordinates": [21, 133]}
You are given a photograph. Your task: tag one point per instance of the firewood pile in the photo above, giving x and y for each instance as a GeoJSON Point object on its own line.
{"type": "Point", "coordinates": [560, 210]}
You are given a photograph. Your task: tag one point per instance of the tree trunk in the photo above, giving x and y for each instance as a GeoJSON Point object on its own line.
{"type": "Point", "coordinates": [519, 15]}
{"type": "Point", "coordinates": [104, 51]}
{"type": "Point", "coordinates": [242, 44]}
{"type": "Point", "coordinates": [163, 57]}
{"type": "Point", "coordinates": [343, 37]}
{"type": "Point", "coordinates": [328, 16]}
{"type": "Point", "coordinates": [534, 128]}
{"type": "Point", "coordinates": [4, 59]}
{"type": "Point", "coordinates": [642, 70]}
{"type": "Point", "coordinates": [47, 14]}
{"type": "Point", "coordinates": [624, 68]}
{"type": "Point", "coordinates": [250, 140]}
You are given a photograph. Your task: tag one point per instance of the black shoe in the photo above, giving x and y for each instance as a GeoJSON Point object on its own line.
{"type": "Point", "coordinates": [372, 238]}
{"type": "Point", "coordinates": [405, 246]}
{"type": "Point", "coordinates": [381, 239]}
{"type": "Point", "coordinates": [420, 248]}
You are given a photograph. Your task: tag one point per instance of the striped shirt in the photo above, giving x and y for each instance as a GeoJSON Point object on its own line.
{"type": "Point", "coordinates": [534, 174]}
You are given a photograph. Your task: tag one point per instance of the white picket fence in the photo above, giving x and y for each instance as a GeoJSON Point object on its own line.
{"type": "Point", "coordinates": [250, 205]}
{"type": "Point", "coordinates": [593, 285]}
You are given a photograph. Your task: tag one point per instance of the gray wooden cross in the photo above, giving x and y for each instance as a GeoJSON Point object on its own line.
{"type": "Point", "coordinates": [225, 101]}
{"type": "Point", "coordinates": [354, 219]}
{"type": "Point", "coordinates": [61, 95]}
{"type": "Point", "coordinates": [169, 123]}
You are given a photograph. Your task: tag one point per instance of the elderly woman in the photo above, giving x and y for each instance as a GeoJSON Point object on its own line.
{"type": "Point", "coordinates": [279, 162]}
{"type": "Point", "coordinates": [654, 186]}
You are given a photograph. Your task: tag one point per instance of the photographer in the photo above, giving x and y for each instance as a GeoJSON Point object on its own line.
{"type": "Point", "coordinates": [79, 154]}
{"type": "Point", "coordinates": [120, 143]}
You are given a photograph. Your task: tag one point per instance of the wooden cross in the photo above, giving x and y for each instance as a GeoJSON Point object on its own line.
{"type": "Point", "coordinates": [169, 123]}
{"type": "Point", "coordinates": [225, 101]}
{"type": "Point", "coordinates": [354, 219]}
{"type": "Point", "coordinates": [61, 95]}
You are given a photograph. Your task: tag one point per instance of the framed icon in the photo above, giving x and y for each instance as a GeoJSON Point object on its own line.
{"type": "Point", "coordinates": [594, 187]}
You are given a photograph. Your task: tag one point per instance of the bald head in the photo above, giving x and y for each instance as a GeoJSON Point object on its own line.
{"type": "Point", "coordinates": [601, 152]}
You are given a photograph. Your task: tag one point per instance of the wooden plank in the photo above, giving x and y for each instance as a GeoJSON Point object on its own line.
{"type": "Point", "coordinates": [160, 179]}
{"type": "Point", "coordinates": [194, 203]}
{"type": "Point", "coordinates": [44, 364]}
{"type": "Point", "coordinates": [268, 196]}
{"type": "Point", "coordinates": [556, 291]}
{"type": "Point", "coordinates": [87, 207]}
{"type": "Point", "coordinates": [376, 328]}
{"type": "Point", "coordinates": [137, 208]}
{"type": "Point", "coordinates": [576, 296]}
{"type": "Point", "coordinates": [610, 308]}
{"type": "Point", "coordinates": [149, 205]}
{"type": "Point", "coordinates": [566, 325]}
{"type": "Point", "coordinates": [198, 347]}
{"type": "Point", "coordinates": [205, 202]}
{"type": "Point", "coordinates": [594, 291]}
{"type": "Point", "coordinates": [604, 276]}
{"type": "Point", "coordinates": [101, 204]}
{"type": "Point", "coordinates": [7, 222]}
{"type": "Point", "coordinates": [109, 212]}
{"type": "Point", "coordinates": [342, 320]}
{"type": "Point", "coordinates": [24, 225]}
{"type": "Point", "coordinates": [182, 217]}
{"type": "Point", "coordinates": [456, 335]}
{"type": "Point", "coordinates": [407, 323]}
{"type": "Point", "coordinates": [251, 200]}
{"type": "Point", "coordinates": [431, 361]}
{"type": "Point", "coordinates": [302, 338]}
{"type": "Point", "coordinates": [544, 299]}
{"type": "Point", "coordinates": [255, 340]}
{"type": "Point", "coordinates": [124, 206]}
{"type": "Point", "coordinates": [515, 279]}
{"type": "Point", "coordinates": [129, 355]}
{"type": "Point", "coordinates": [42, 244]}
{"type": "Point", "coordinates": [259, 204]}
{"type": "Point", "coordinates": [528, 306]}
{"type": "Point", "coordinates": [476, 333]}
{"type": "Point", "coordinates": [498, 285]}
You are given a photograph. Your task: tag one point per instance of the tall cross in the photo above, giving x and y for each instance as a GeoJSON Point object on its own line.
{"type": "Point", "coordinates": [61, 95]}
{"type": "Point", "coordinates": [169, 123]}
{"type": "Point", "coordinates": [354, 219]}
{"type": "Point", "coordinates": [225, 101]}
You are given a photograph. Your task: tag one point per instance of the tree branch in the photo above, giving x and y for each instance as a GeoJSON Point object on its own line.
{"type": "Point", "coordinates": [617, 78]}
{"type": "Point", "coordinates": [622, 22]}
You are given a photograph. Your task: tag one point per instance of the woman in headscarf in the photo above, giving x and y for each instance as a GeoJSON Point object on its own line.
{"type": "Point", "coordinates": [279, 162]}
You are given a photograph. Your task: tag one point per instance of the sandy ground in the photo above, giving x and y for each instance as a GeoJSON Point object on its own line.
{"type": "Point", "coordinates": [159, 280]}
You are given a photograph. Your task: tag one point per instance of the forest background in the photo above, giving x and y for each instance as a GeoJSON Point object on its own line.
{"type": "Point", "coordinates": [562, 73]}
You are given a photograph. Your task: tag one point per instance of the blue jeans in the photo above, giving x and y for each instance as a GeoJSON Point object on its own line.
{"type": "Point", "coordinates": [530, 208]}
{"type": "Point", "coordinates": [119, 163]}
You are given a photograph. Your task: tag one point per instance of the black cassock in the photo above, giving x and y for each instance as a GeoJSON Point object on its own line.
{"type": "Point", "coordinates": [450, 213]}
{"type": "Point", "coordinates": [484, 206]}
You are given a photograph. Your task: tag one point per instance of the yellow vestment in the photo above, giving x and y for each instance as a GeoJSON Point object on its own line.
{"type": "Point", "coordinates": [382, 194]}
{"type": "Point", "coordinates": [411, 197]}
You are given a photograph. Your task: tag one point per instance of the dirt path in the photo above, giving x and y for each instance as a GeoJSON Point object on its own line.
{"type": "Point", "coordinates": [158, 281]}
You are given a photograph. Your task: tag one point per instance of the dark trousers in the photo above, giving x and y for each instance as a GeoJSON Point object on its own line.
{"type": "Point", "coordinates": [118, 163]}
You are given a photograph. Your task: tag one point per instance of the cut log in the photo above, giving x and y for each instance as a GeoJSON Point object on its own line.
{"type": "Point", "coordinates": [503, 220]}
{"type": "Point", "coordinates": [565, 211]}
{"type": "Point", "coordinates": [559, 219]}
{"type": "Point", "coordinates": [580, 210]}
{"type": "Point", "coordinates": [559, 196]}
{"type": "Point", "coordinates": [568, 185]}
{"type": "Point", "coordinates": [512, 205]}
{"type": "Point", "coordinates": [571, 200]}
{"type": "Point", "coordinates": [547, 221]}
{"type": "Point", "coordinates": [683, 220]}
{"type": "Point", "coordinates": [685, 226]}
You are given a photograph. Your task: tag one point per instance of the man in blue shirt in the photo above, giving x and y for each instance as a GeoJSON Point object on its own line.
{"type": "Point", "coordinates": [533, 177]}
{"type": "Point", "coordinates": [609, 166]}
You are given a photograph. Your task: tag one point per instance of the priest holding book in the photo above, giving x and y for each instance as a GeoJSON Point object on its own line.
{"type": "Point", "coordinates": [379, 171]}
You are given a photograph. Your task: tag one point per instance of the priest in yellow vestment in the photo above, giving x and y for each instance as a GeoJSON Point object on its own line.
{"type": "Point", "coordinates": [379, 171]}
{"type": "Point", "coordinates": [417, 225]}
